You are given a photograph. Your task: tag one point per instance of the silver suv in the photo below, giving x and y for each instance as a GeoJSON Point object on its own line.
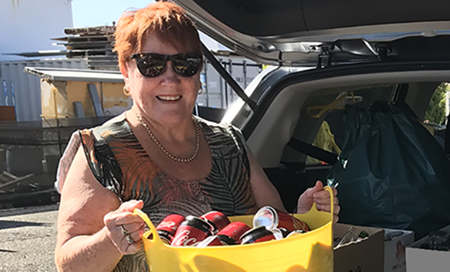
{"type": "Point", "coordinates": [323, 56]}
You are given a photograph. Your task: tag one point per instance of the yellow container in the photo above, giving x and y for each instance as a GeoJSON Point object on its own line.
{"type": "Point", "coordinates": [311, 251]}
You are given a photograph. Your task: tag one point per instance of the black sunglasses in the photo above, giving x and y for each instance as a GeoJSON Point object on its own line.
{"type": "Point", "coordinates": [153, 65]}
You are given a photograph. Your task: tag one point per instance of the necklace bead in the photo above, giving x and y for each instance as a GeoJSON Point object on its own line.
{"type": "Point", "coordinates": [197, 141]}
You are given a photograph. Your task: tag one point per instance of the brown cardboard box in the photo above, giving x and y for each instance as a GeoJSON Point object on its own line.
{"type": "Point", "coordinates": [424, 260]}
{"type": "Point", "coordinates": [364, 256]}
{"type": "Point", "coordinates": [7, 113]}
{"type": "Point", "coordinates": [394, 249]}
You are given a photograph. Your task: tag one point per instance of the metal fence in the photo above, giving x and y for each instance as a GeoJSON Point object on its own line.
{"type": "Point", "coordinates": [29, 156]}
{"type": "Point", "coordinates": [30, 153]}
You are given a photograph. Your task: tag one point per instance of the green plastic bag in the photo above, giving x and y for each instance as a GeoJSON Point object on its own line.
{"type": "Point", "coordinates": [391, 172]}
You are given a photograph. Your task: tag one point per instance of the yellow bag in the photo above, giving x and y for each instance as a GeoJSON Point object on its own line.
{"type": "Point", "coordinates": [311, 251]}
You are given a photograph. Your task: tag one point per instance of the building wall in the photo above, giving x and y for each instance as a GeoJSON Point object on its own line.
{"type": "Point", "coordinates": [23, 91]}
{"type": "Point", "coordinates": [59, 97]}
{"type": "Point", "coordinates": [31, 24]}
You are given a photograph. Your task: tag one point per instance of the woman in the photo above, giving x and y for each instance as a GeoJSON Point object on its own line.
{"type": "Point", "coordinates": [156, 157]}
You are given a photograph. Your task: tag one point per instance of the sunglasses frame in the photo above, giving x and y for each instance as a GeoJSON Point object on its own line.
{"type": "Point", "coordinates": [138, 57]}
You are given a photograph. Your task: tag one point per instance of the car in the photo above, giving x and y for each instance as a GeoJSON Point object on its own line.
{"type": "Point", "coordinates": [320, 53]}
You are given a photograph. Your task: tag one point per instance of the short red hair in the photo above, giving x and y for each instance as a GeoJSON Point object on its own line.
{"type": "Point", "coordinates": [164, 19]}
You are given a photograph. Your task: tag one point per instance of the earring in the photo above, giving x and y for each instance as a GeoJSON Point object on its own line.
{"type": "Point", "coordinates": [200, 91]}
{"type": "Point", "coordinates": [125, 91]}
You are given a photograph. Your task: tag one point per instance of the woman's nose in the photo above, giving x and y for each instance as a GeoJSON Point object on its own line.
{"type": "Point", "coordinates": [169, 73]}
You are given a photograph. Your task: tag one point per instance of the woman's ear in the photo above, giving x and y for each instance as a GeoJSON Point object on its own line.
{"type": "Point", "coordinates": [124, 70]}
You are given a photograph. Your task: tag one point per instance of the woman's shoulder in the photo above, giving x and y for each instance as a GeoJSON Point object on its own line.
{"type": "Point", "coordinates": [222, 133]}
{"type": "Point", "coordinates": [217, 127]}
{"type": "Point", "coordinates": [114, 128]}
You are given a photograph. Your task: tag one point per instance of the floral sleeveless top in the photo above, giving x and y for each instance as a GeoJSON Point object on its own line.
{"type": "Point", "coordinates": [120, 164]}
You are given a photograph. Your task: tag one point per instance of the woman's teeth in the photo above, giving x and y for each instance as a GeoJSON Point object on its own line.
{"type": "Point", "coordinates": [169, 98]}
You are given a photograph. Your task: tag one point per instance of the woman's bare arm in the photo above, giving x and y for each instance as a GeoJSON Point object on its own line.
{"type": "Point", "coordinates": [84, 241]}
{"type": "Point", "coordinates": [264, 192]}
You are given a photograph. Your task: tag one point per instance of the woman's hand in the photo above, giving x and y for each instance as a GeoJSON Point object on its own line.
{"type": "Point", "coordinates": [125, 229]}
{"type": "Point", "coordinates": [322, 199]}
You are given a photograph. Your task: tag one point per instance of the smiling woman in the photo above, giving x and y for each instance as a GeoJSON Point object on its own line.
{"type": "Point", "coordinates": [157, 156]}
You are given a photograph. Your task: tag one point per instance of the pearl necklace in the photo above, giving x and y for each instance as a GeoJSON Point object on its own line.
{"type": "Point", "coordinates": [197, 141]}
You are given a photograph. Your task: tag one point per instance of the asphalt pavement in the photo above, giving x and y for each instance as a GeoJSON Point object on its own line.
{"type": "Point", "coordinates": [27, 239]}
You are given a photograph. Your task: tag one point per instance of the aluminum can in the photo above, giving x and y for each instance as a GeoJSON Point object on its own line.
{"type": "Point", "coordinates": [270, 218]}
{"type": "Point", "coordinates": [217, 219]}
{"type": "Point", "coordinates": [191, 231]}
{"type": "Point", "coordinates": [211, 241]}
{"type": "Point", "coordinates": [295, 233]}
{"type": "Point", "coordinates": [232, 233]}
{"type": "Point", "coordinates": [277, 233]}
{"type": "Point", "coordinates": [168, 226]}
{"type": "Point", "coordinates": [284, 231]}
{"type": "Point", "coordinates": [290, 222]}
{"type": "Point", "coordinates": [256, 235]}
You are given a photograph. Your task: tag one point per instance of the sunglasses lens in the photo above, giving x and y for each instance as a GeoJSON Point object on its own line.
{"type": "Point", "coordinates": [186, 65]}
{"type": "Point", "coordinates": [151, 65]}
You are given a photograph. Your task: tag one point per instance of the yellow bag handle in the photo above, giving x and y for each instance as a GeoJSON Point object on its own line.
{"type": "Point", "coordinates": [152, 234]}
{"type": "Point", "coordinates": [330, 191]}
{"type": "Point", "coordinates": [332, 106]}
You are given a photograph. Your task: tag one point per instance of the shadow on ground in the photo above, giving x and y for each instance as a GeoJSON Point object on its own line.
{"type": "Point", "coordinates": [8, 224]}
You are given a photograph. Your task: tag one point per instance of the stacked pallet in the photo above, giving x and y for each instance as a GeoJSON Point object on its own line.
{"type": "Point", "coordinates": [95, 44]}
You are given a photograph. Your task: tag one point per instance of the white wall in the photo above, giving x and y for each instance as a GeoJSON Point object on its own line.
{"type": "Point", "coordinates": [28, 25]}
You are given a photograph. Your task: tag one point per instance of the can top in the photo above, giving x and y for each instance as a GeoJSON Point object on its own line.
{"type": "Point", "coordinates": [267, 217]}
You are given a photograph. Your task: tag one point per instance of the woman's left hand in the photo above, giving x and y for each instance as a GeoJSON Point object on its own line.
{"type": "Point", "coordinates": [322, 199]}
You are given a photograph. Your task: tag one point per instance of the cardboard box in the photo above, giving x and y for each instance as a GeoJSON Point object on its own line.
{"type": "Point", "coordinates": [420, 260]}
{"type": "Point", "coordinates": [395, 242]}
{"type": "Point", "coordinates": [364, 256]}
{"type": "Point", "coordinates": [7, 113]}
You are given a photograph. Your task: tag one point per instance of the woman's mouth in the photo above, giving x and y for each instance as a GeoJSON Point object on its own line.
{"type": "Point", "coordinates": [169, 98]}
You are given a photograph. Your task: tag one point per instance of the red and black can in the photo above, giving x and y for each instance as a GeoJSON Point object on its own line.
{"type": "Point", "coordinates": [232, 233]}
{"type": "Point", "coordinates": [284, 231]}
{"type": "Point", "coordinates": [277, 233]}
{"type": "Point", "coordinates": [191, 232]}
{"type": "Point", "coordinates": [168, 226]}
{"type": "Point", "coordinates": [211, 241]}
{"type": "Point", "coordinates": [270, 218]}
{"type": "Point", "coordinates": [290, 222]}
{"type": "Point", "coordinates": [256, 235]}
{"type": "Point", "coordinates": [295, 233]}
{"type": "Point", "coordinates": [217, 219]}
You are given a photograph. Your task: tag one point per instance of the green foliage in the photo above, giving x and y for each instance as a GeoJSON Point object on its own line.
{"type": "Point", "coordinates": [436, 110]}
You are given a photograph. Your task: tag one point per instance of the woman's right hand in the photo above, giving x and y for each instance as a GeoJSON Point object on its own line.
{"type": "Point", "coordinates": [124, 228]}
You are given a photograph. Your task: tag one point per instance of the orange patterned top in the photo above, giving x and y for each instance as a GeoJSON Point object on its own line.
{"type": "Point", "coordinates": [120, 164]}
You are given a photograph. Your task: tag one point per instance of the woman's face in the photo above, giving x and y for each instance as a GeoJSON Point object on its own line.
{"type": "Point", "coordinates": [168, 98]}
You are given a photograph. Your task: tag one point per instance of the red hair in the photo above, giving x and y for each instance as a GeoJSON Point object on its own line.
{"type": "Point", "coordinates": [166, 20]}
